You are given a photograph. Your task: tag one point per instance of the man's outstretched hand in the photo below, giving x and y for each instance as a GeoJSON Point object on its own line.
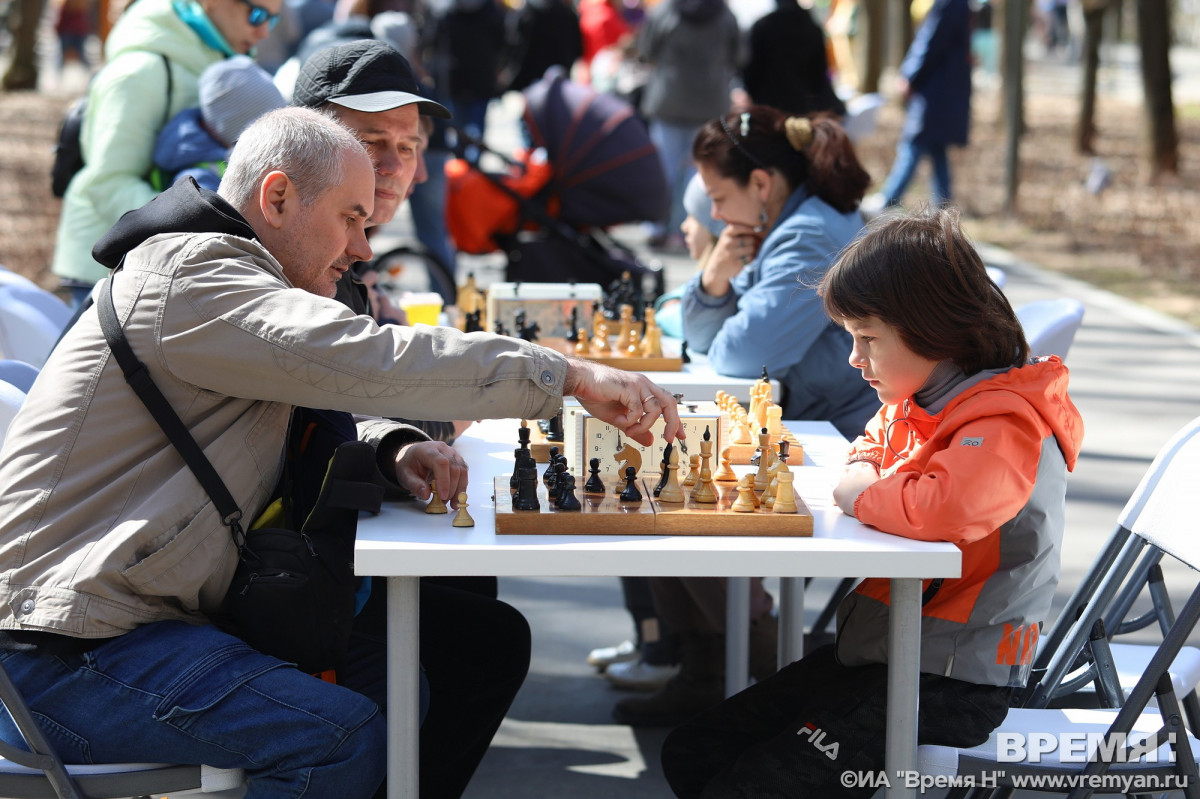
{"type": "Point", "coordinates": [627, 400]}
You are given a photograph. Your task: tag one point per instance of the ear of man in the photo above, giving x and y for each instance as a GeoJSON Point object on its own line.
{"type": "Point", "coordinates": [277, 198]}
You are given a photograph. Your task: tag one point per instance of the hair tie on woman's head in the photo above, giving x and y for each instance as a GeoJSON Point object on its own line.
{"type": "Point", "coordinates": [799, 133]}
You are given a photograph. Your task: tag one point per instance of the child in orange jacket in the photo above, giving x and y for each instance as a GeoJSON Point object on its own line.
{"type": "Point", "coordinates": [971, 446]}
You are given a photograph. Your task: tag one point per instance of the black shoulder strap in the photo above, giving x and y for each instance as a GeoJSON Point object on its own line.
{"type": "Point", "coordinates": [139, 378]}
{"type": "Point", "coordinates": [170, 84]}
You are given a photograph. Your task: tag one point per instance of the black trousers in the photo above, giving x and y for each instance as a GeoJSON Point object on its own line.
{"type": "Point", "coordinates": [475, 654]}
{"type": "Point", "coordinates": [776, 739]}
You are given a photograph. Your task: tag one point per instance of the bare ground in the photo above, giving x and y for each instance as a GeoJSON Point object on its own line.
{"type": "Point", "coordinates": [1134, 238]}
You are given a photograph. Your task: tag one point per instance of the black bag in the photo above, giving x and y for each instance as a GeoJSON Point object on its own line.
{"type": "Point", "coordinates": [68, 153]}
{"type": "Point", "coordinates": [293, 593]}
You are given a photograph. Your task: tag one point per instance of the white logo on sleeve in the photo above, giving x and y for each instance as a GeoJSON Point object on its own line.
{"type": "Point", "coordinates": [976, 441]}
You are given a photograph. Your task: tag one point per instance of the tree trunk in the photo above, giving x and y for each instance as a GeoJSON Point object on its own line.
{"type": "Point", "coordinates": [1015, 19]}
{"type": "Point", "coordinates": [874, 14]}
{"type": "Point", "coordinates": [1093, 19]}
{"type": "Point", "coordinates": [1154, 39]}
{"type": "Point", "coordinates": [900, 30]}
{"type": "Point", "coordinates": [22, 74]}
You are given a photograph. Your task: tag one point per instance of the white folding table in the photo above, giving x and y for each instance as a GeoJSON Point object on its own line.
{"type": "Point", "coordinates": [403, 544]}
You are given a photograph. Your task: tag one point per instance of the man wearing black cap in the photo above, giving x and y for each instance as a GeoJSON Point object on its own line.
{"type": "Point", "coordinates": [474, 649]}
{"type": "Point", "coordinates": [372, 89]}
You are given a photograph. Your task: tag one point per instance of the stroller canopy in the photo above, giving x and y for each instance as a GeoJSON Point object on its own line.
{"type": "Point", "coordinates": [606, 169]}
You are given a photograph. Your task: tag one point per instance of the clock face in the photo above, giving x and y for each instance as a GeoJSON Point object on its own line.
{"type": "Point", "coordinates": [616, 451]}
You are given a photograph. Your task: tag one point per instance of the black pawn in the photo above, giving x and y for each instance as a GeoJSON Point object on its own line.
{"type": "Point", "coordinates": [500, 329]}
{"type": "Point", "coordinates": [526, 496]}
{"type": "Point", "coordinates": [594, 484]}
{"type": "Point", "coordinates": [666, 460]}
{"type": "Point", "coordinates": [549, 475]}
{"type": "Point", "coordinates": [566, 493]}
{"type": "Point", "coordinates": [683, 356]}
{"type": "Point", "coordinates": [631, 493]}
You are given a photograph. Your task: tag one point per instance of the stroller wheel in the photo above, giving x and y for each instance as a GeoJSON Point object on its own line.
{"type": "Point", "coordinates": [407, 268]}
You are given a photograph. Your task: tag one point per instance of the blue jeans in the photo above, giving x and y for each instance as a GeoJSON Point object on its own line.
{"type": "Point", "coordinates": [171, 692]}
{"type": "Point", "coordinates": [470, 116]}
{"type": "Point", "coordinates": [674, 143]}
{"type": "Point", "coordinates": [908, 155]}
{"type": "Point", "coordinates": [428, 207]}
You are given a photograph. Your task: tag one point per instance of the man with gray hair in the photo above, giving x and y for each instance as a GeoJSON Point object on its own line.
{"type": "Point", "coordinates": [114, 562]}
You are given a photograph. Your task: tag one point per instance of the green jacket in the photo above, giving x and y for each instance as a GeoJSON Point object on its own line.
{"type": "Point", "coordinates": [127, 107]}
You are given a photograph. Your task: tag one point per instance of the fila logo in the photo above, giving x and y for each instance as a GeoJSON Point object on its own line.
{"type": "Point", "coordinates": [971, 442]}
{"type": "Point", "coordinates": [816, 736]}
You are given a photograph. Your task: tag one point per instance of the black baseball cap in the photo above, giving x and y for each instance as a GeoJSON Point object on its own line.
{"type": "Point", "coordinates": [365, 75]}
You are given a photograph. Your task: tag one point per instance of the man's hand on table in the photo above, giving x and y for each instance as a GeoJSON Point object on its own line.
{"type": "Point", "coordinates": [419, 463]}
{"type": "Point", "coordinates": [627, 400]}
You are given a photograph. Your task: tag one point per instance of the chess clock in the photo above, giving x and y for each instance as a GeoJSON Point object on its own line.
{"type": "Point", "coordinates": [587, 437]}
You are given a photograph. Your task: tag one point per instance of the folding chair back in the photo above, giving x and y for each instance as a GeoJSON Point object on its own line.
{"type": "Point", "coordinates": [1158, 520]}
{"type": "Point", "coordinates": [1050, 325]}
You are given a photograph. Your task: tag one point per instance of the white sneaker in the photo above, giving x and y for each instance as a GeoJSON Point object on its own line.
{"type": "Point", "coordinates": [606, 656]}
{"type": "Point", "coordinates": [872, 206]}
{"type": "Point", "coordinates": [638, 675]}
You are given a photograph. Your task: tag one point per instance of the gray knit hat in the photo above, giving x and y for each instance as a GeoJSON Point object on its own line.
{"type": "Point", "coordinates": [697, 204]}
{"type": "Point", "coordinates": [234, 93]}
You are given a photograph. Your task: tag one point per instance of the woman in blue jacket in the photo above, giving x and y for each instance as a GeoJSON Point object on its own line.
{"type": "Point", "coordinates": [788, 190]}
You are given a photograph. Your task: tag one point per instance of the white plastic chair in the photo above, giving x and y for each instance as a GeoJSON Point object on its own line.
{"type": "Point", "coordinates": [1158, 519]}
{"type": "Point", "coordinates": [26, 333]}
{"type": "Point", "coordinates": [1050, 325]}
{"type": "Point", "coordinates": [11, 398]}
{"type": "Point", "coordinates": [19, 374]}
{"type": "Point", "coordinates": [50, 306]}
{"type": "Point", "coordinates": [998, 276]}
{"type": "Point", "coordinates": [862, 113]}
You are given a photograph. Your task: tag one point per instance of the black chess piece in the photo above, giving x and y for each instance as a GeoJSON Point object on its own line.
{"type": "Point", "coordinates": [554, 490]}
{"type": "Point", "coordinates": [554, 427]}
{"type": "Point", "coordinates": [529, 332]}
{"type": "Point", "coordinates": [666, 460]}
{"type": "Point", "coordinates": [548, 475]}
{"type": "Point", "coordinates": [764, 377]}
{"type": "Point", "coordinates": [471, 322]}
{"type": "Point", "coordinates": [683, 356]}
{"type": "Point", "coordinates": [573, 325]}
{"type": "Point", "coordinates": [500, 329]}
{"type": "Point", "coordinates": [594, 484]}
{"type": "Point", "coordinates": [519, 453]}
{"type": "Point", "coordinates": [526, 497]}
{"type": "Point", "coordinates": [566, 493]}
{"type": "Point", "coordinates": [631, 493]}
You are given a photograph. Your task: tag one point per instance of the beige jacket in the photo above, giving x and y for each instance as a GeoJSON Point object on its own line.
{"type": "Point", "coordinates": [103, 527]}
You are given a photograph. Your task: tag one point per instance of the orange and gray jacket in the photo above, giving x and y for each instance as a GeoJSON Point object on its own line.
{"type": "Point", "coordinates": [985, 469]}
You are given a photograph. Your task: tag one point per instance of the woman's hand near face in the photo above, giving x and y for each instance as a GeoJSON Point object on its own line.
{"type": "Point", "coordinates": [736, 247]}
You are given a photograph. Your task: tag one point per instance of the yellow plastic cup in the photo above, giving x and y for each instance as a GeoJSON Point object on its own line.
{"type": "Point", "coordinates": [421, 307]}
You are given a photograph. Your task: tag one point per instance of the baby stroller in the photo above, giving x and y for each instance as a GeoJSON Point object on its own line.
{"type": "Point", "coordinates": [592, 165]}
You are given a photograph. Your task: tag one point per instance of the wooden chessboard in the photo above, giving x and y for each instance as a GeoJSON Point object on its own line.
{"type": "Point", "coordinates": [608, 515]}
{"type": "Point", "coordinates": [618, 360]}
{"type": "Point", "coordinates": [743, 454]}
{"type": "Point", "coordinates": [539, 445]}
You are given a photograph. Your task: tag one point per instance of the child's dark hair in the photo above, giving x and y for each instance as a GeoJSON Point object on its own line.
{"type": "Point", "coordinates": [920, 274]}
{"type": "Point", "coordinates": [813, 152]}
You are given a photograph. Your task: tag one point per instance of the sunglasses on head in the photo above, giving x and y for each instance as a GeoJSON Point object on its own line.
{"type": "Point", "coordinates": [259, 15]}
